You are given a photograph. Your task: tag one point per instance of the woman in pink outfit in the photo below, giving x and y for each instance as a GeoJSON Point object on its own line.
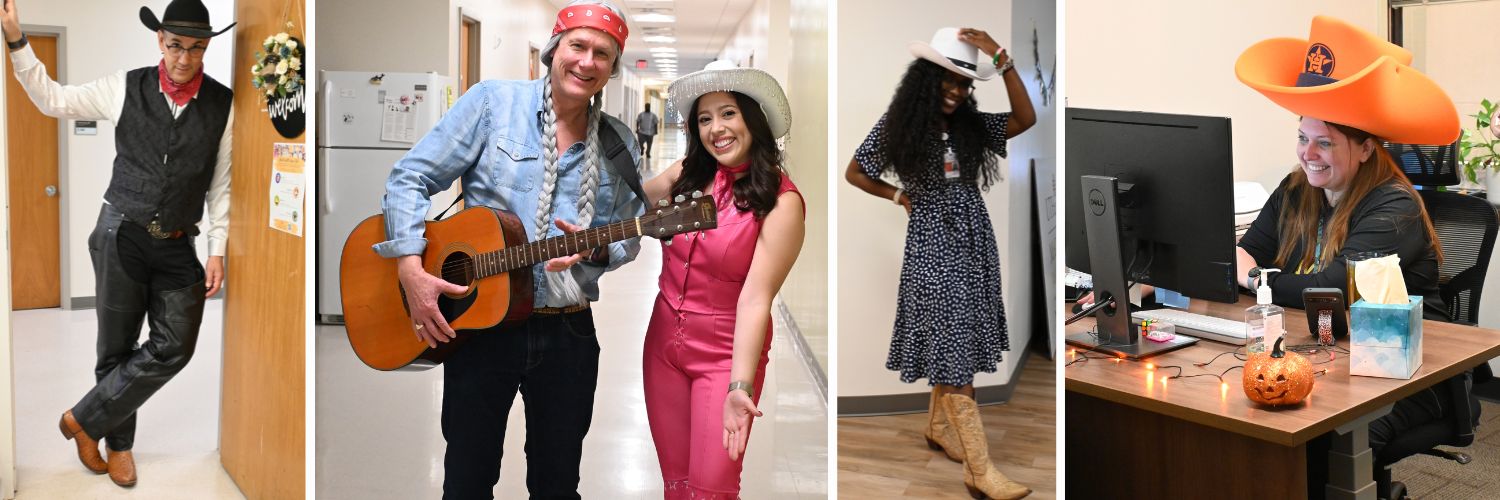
{"type": "Point", "coordinates": [710, 332]}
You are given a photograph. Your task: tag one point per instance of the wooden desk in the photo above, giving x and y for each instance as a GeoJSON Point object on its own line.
{"type": "Point", "coordinates": [1131, 435]}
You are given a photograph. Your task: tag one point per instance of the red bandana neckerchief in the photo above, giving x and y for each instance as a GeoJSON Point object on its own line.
{"type": "Point", "coordinates": [180, 93]}
{"type": "Point", "coordinates": [724, 185]}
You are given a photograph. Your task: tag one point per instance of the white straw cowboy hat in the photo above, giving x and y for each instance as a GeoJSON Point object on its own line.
{"type": "Point", "coordinates": [955, 55]}
{"type": "Point", "coordinates": [723, 76]}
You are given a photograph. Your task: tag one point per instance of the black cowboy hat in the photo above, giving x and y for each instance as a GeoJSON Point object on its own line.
{"type": "Point", "coordinates": [183, 17]}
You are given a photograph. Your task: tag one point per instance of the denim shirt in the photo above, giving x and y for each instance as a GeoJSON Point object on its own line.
{"type": "Point", "coordinates": [492, 139]}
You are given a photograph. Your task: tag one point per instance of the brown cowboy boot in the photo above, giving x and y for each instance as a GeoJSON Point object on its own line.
{"type": "Point", "coordinates": [980, 475]}
{"type": "Point", "coordinates": [88, 448]}
{"type": "Point", "coordinates": [939, 434]}
{"type": "Point", "coordinates": [122, 467]}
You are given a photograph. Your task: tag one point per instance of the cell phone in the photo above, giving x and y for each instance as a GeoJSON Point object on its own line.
{"type": "Point", "coordinates": [1330, 301]}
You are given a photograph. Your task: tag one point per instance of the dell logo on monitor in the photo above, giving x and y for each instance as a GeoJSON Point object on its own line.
{"type": "Point", "coordinates": [1096, 202]}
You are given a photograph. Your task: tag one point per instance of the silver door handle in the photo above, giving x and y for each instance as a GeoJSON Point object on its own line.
{"type": "Point", "coordinates": [51, 191]}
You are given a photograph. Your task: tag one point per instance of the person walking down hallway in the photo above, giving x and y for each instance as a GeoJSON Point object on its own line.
{"type": "Point", "coordinates": [172, 140]}
{"type": "Point", "coordinates": [646, 127]}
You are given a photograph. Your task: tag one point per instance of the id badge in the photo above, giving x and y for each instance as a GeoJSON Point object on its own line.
{"type": "Point", "coordinates": [950, 165]}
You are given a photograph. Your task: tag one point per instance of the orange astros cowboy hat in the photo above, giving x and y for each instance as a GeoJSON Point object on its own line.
{"type": "Point", "coordinates": [1346, 75]}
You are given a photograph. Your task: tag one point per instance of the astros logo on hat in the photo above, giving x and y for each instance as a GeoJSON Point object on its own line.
{"type": "Point", "coordinates": [1346, 75]}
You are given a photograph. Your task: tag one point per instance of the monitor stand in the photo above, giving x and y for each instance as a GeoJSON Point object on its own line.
{"type": "Point", "coordinates": [1115, 333]}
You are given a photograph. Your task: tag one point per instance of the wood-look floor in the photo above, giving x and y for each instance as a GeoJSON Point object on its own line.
{"type": "Point", "coordinates": [886, 457]}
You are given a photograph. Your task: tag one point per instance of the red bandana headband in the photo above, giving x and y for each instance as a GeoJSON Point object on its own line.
{"type": "Point", "coordinates": [592, 16]}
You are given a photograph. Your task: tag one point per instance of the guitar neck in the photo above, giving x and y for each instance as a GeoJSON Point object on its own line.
{"type": "Point", "coordinates": [507, 259]}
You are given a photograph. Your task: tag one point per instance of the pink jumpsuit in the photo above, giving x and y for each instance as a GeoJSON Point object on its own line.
{"type": "Point", "coordinates": [690, 347]}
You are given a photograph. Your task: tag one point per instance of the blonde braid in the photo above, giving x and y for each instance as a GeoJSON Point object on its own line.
{"type": "Point", "coordinates": [549, 161]}
{"type": "Point", "coordinates": [589, 184]}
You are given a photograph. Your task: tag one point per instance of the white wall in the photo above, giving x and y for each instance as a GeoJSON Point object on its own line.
{"type": "Point", "coordinates": [101, 38]}
{"type": "Point", "coordinates": [1453, 44]}
{"type": "Point", "coordinates": [395, 36]}
{"type": "Point", "coordinates": [508, 30]}
{"type": "Point", "coordinates": [1169, 56]}
{"type": "Point", "coordinates": [871, 231]}
{"type": "Point", "coordinates": [762, 40]}
{"type": "Point", "coordinates": [1039, 145]}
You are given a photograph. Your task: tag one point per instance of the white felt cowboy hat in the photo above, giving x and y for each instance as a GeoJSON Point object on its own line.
{"type": "Point", "coordinates": [723, 76]}
{"type": "Point", "coordinates": [955, 55]}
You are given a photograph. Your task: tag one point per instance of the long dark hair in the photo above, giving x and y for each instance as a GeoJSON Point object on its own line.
{"type": "Point", "coordinates": [757, 190]}
{"type": "Point", "coordinates": [1302, 205]}
{"type": "Point", "coordinates": [913, 123]}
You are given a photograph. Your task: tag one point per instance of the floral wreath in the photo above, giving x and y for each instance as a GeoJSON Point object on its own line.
{"type": "Point", "coordinates": [278, 67]}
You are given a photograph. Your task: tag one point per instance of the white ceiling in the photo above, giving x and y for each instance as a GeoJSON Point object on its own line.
{"type": "Point", "coordinates": [702, 28]}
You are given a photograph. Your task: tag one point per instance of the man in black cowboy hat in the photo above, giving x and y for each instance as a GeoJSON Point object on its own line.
{"type": "Point", "coordinates": [172, 139]}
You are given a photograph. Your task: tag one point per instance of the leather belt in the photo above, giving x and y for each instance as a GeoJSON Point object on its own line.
{"type": "Point", "coordinates": [550, 311]}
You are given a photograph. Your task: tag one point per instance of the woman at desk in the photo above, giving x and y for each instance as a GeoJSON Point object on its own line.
{"type": "Point", "coordinates": [1352, 89]}
{"type": "Point", "coordinates": [949, 324]}
{"type": "Point", "coordinates": [1347, 195]}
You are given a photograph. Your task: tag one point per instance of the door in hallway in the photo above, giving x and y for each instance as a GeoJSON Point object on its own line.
{"type": "Point", "coordinates": [34, 199]}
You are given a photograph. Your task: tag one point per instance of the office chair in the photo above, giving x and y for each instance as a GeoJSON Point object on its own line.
{"type": "Point", "coordinates": [1466, 228]}
{"type": "Point", "coordinates": [1425, 165]}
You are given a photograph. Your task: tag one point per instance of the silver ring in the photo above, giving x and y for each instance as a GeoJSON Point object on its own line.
{"type": "Point", "coordinates": [419, 327]}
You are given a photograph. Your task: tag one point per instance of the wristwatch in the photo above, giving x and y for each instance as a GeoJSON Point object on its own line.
{"type": "Point", "coordinates": [740, 385]}
{"type": "Point", "coordinates": [16, 45]}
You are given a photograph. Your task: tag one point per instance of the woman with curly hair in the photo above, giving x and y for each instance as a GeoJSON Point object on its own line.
{"type": "Point", "coordinates": [710, 333]}
{"type": "Point", "coordinates": [950, 323]}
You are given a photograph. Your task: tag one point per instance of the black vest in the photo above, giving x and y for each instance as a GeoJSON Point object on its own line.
{"type": "Point", "coordinates": [144, 186]}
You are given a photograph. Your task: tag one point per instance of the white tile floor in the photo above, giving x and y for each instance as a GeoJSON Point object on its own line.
{"type": "Point", "coordinates": [177, 434]}
{"type": "Point", "coordinates": [378, 434]}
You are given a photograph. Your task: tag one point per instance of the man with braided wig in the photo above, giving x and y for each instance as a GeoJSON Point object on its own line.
{"type": "Point", "coordinates": [532, 148]}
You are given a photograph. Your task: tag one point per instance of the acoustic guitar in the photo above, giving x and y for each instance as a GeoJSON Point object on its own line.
{"type": "Point", "coordinates": [486, 250]}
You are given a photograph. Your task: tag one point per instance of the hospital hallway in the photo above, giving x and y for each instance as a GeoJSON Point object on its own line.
{"type": "Point", "coordinates": [378, 433]}
{"type": "Point", "coordinates": [177, 431]}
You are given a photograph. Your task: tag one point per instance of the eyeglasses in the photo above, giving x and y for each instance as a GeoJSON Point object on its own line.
{"type": "Point", "coordinates": [176, 50]}
{"type": "Point", "coordinates": [958, 82]}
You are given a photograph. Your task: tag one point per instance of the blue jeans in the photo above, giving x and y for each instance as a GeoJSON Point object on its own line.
{"type": "Point", "coordinates": [553, 362]}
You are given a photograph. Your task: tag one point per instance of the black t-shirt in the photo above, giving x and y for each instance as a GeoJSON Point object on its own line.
{"type": "Point", "coordinates": [1388, 220]}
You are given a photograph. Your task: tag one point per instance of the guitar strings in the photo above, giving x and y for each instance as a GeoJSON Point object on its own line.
{"type": "Point", "coordinates": [468, 265]}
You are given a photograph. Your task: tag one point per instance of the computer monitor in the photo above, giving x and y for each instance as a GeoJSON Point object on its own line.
{"type": "Point", "coordinates": [1150, 199]}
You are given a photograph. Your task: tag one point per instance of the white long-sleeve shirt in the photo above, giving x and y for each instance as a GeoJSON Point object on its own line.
{"type": "Point", "coordinates": [104, 99]}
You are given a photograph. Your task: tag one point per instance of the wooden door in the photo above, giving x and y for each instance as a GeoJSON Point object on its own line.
{"type": "Point", "coordinates": [262, 415]}
{"type": "Point", "coordinates": [463, 55]}
{"type": "Point", "coordinates": [34, 200]}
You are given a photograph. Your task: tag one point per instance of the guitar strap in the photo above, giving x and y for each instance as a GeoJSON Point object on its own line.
{"type": "Point", "coordinates": [619, 161]}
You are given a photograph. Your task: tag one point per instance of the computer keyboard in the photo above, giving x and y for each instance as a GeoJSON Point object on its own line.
{"type": "Point", "coordinates": [1212, 328]}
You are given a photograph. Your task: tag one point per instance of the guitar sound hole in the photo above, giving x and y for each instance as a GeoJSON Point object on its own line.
{"type": "Point", "coordinates": [458, 269]}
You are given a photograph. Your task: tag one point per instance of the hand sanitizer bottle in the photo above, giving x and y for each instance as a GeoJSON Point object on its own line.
{"type": "Point", "coordinates": [1263, 321]}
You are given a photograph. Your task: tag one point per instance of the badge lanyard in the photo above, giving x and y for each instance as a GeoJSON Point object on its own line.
{"type": "Point", "coordinates": [950, 160]}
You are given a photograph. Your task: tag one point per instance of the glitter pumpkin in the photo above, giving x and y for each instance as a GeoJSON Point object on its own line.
{"type": "Point", "coordinates": [1278, 377]}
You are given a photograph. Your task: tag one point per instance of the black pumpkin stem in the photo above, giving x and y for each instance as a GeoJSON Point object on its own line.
{"type": "Point", "coordinates": [1276, 351]}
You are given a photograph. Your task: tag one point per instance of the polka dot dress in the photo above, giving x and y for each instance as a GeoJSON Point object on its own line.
{"type": "Point", "coordinates": [950, 320]}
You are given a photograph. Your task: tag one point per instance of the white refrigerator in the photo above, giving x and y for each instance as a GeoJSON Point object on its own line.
{"type": "Point", "coordinates": [367, 120]}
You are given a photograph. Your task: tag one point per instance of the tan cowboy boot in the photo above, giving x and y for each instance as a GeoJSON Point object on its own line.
{"type": "Point", "coordinates": [122, 467]}
{"type": "Point", "coordinates": [939, 434]}
{"type": "Point", "coordinates": [980, 475]}
{"type": "Point", "coordinates": [88, 448]}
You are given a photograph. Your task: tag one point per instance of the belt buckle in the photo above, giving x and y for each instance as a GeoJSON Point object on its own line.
{"type": "Point", "coordinates": [156, 232]}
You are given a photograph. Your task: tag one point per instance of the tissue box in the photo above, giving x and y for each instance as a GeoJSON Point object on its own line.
{"type": "Point", "coordinates": [1385, 340]}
